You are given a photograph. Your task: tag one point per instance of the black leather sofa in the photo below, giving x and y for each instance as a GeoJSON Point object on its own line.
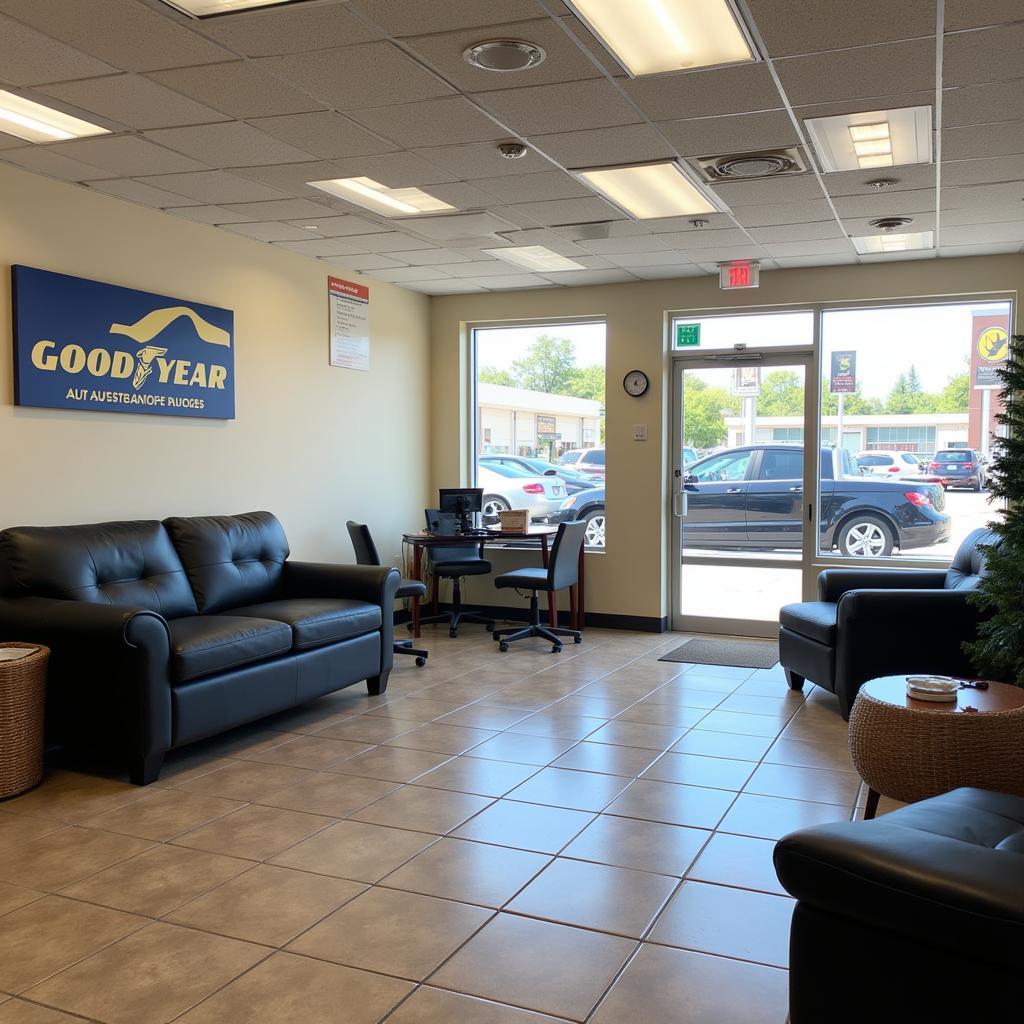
{"type": "Point", "coordinates": [916, 916]}
{"type": "Point", "coordinates": [878, 622]}
{"type": "Point", "coordinates": [166, 633]}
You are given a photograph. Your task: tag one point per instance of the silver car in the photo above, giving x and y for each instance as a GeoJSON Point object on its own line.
{"type": "Point", "coordinates": [508, 487]}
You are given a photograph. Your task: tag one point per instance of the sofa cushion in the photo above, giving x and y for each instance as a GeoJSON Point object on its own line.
{"type": "Point", "coordinates": [814, 619]}
{"type": "Point", "coordinates": [204, 644]}
{"type": "Point", "coordinates": [318, 621]}
{"type": "Point", "coordinates": [123, 563]}
{"type": "Point", "coordinates": [231, 560]}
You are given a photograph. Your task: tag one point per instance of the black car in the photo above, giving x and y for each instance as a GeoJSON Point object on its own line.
{"type": "Point", "coordinates": [958, 467]}
{"type": "Point", "coordinates": [752, 498]}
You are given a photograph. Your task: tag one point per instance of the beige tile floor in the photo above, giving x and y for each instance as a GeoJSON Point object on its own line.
{"type": "Point", "coordinates": [500, 839]}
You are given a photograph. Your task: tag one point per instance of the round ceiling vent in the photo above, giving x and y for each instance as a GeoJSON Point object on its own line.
{"type": "Point", "coordinates": [504, 55]}
{"type": "Point", "coordinates": [887, 224]}
{"type": "Point", "coordinates": [759, 166]}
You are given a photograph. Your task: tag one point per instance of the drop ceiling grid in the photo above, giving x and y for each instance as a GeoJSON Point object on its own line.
{"type": "Point", "coordinates": [202, 156]}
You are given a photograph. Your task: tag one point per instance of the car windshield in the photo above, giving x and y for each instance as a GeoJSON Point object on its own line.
{"type": "Point", "coordinates": [874, 460]}
{"type": "Point", "coordinates": [595, 457]}
{"type": "Point", "coordinates": [504, 469]}
{"type": "Point", "coordinates": [568, 458]}
{"type": "Point", "coordinates": [954, 457]}
{"type": "Point", "coordinates": [909, 459]}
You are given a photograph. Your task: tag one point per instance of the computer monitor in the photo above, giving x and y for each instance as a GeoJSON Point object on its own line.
{"type": "Point", "coordinates": [463, 502]}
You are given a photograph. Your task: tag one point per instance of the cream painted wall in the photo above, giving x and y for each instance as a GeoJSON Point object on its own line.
{"type": "Point", "coordinates": [315, 444]}
{"type": "Point", "coordinates": [631, 577]}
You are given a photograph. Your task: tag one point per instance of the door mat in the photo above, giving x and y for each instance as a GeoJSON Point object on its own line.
{"type": "Point", "coordinates": [735, 653]}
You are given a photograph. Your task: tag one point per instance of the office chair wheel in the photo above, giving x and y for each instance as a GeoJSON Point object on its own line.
{"type": "Point", "coordinates": [452, 634]}
{"type": "Point", "coordinates": [421, 662]}
{"type": "Point", "coordinates": [577, 639]}
{"type": "Point", "coordinates": [502, 646]}
{"type": "Point", "coordinates": [556, 648]}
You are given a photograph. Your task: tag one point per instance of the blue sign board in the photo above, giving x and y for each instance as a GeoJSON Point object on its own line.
{"type": "Point", "coordinates": [81, 344]}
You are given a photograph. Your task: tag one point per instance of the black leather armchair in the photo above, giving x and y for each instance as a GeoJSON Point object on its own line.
{"type": "Point", "coordinates": [875, 622]}
{"type": "Point", "coordinates": [914, 916]}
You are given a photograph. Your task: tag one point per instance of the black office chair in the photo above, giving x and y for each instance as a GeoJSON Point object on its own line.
{"type": "Point", "coordinates": [366, 554]}
{"type": "Point", "coordinates": [562, 571]}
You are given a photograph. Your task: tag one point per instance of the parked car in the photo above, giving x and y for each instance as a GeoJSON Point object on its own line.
{"type": "Point", "coordinates": [573, 481]}
{"type": "Point", "coordinates": [584, 460]}
{"type": "Point", "coordinates": [508, 487]}
{"type": "Point", "coordinates": [689, 455]}
{"type": "Point", "coordinates": [752, 498]}
{"type": "Point", "coordinates": [958, 467]}
{"type": "Point", "coordinates": [888, 463]}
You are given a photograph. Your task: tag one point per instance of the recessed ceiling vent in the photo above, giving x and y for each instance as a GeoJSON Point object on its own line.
{"type": "Point", "coordinates": [743, 166]}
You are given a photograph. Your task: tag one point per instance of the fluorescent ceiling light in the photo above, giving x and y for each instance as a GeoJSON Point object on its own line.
{"type": "Point", "coordinates": [36, 123]}
{"type": "Point", "coordinates": [873, 138]}
{"type": "Point", "coordinates": [208, 8]}
{"type": "Point", "coordinates": [893, 242]}
{"type": "Point", "coordinates": [372, 195]}
{"type": "Point", "coordinates": [535, 257]}
{"type": "Point", "coordinates": [649, 190]}
{"type": "Point", "coordinates": [650, 37]}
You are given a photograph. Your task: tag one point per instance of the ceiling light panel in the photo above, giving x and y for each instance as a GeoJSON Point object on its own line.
{"type": "Point", "coordinates": [874, 138]}
{"type": "Point", "coordinates": [535, 257]}
{"type": "Point", "coordinates": [35, 123]}
{"type": "Point", "coordinates": [372, 195]}
{"type": "Point", "coordinates": [211, 8]}
{"type": "Point", "coordinates": [646, 191]}
{"type": "Point", "coordinates": [893, 242]}
{"type": "Point", "coordinates": [651, 37]}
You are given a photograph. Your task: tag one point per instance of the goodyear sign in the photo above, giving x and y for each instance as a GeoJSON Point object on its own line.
{"type": "Point", "coordinates": [81, 344]}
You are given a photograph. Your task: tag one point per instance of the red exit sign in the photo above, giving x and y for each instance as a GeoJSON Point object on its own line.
{"type": "Point", "coordinates": [739, 274]}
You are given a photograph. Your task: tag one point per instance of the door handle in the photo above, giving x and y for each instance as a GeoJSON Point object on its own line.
{"type": "Point", "coordinates": [680, 508]}
{"type": "Point", "coordinates": [796, 490]}
{"type": "Point", "coordinates": [734, 490]}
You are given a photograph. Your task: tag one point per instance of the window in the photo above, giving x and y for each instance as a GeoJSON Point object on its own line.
{"type": "Point", "coordinates": [788, 435]}
{"type": "Point", "coordinates": [917, 439]}
{"type": "Point", "coordinates": [782, 465]}
{"type": "Point", "coordinates": [725, 467]}
{"type": "Point", "coordinates": [761, 330]}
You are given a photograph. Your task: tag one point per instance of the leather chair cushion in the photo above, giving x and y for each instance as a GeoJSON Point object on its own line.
{"type": "Point", "coordinates": [813, 619]}
{"type": "Point", "coordinates": [231, 560]}
{"type": "Point", "coordinates": [411, 588]}
{"type": "Point", "coordinates": [468, 567]}
{"type": "Point", "coordinates": [204, 644]}
{"type": "Point", "coordinates": [125, 563]}
{"type": "Point", "coordinates": [528, 579]}
{"type": "Point", "coordinates": [315, 622]}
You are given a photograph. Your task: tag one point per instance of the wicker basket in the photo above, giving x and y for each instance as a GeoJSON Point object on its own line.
{"type": "Point", "coordinates": [22, 700]}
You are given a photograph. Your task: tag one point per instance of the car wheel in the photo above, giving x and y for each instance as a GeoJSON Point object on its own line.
{"type": "Point", "coordinates": [865, 536]}
{"type": "Point", "coordinates": [492, 505]}
{"type": "Point", "coordinates": [977, 486]}
{"type": "Point", "coordinates": [594, 535]}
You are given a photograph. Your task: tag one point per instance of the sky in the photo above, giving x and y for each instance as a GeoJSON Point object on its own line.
{"type": "Point", "coordinates": [501, 346]}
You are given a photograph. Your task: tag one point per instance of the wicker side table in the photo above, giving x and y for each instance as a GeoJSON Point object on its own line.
{"type": "Point", "coordinates": [912, 749]}
{"type": "Point", "coordinates": [22, 701]}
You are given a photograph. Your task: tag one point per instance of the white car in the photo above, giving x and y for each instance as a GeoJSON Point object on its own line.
{"type": "Point", "coordinates": [506, 487]}
{"type": "Point", "coordinates": [892, 465]}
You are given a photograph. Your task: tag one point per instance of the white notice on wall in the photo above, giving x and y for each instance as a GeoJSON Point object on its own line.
{"type": "Point", "coordinates": [350, 323]}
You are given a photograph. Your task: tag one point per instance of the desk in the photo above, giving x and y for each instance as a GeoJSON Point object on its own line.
{"type": "Point", "coordinates": [536, 534]}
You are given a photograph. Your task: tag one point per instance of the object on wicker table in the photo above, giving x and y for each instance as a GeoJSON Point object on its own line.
{"type": "Point", "coordinates": [22, 701]}
{"type": "Point", "coordinates": [910, 749]}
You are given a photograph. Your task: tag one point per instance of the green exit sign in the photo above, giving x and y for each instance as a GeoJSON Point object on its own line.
{"type": "Point", "coordinates": [687, 335]}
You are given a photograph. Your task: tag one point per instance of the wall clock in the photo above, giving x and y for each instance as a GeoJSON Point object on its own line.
{"type": "Point", "coordinates": [635, 383]}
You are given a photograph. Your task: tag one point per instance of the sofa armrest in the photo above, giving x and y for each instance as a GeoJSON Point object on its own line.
{"type": "Point", "coordinates": [899, 612]}
{"type": "Point", "coordinates": [833, 583]}
{"type": "Point", "coordinates": [108, 675]}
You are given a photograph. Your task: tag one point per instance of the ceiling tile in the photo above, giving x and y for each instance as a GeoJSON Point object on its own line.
{"type": "Point", "coordinates": [127, 156]}
{"type": "Point", "coordinates": [452, 118]}
{"type": "Point", "coordinates": [446, 287]}
{"type": "Point", "coordinates": [364, 262]}
{"type": "Point", "coordinates": [886, 204]}
{"type": "Point", "coordinates": [807, 26]}
{"type": "Point", "coordinates": [323, 133]}
{"type": "Point", "coordinates": [402, 274]}
{"type": "Point", "coordinates": [987, 55]}
{"type": "Point", "coordinates": [482, 160]}
{"type": "Point", "coordinates": [339, 227]}
{"type": "Point", "coordinates": [925, 98]}
{"type": "Point", "coordinates": [511, 282]}
{"type": "Point", "coordinates": [214, 187]}
{"type": "Point", "coordinates": [565, 60]}
{"type": "Point", "coordinates": [657, 225]}
{"type": "Point", "coordinates": [762, 215]}
{"type": "Point", "coordinates": [125, 33]}
{"type": "Point", "coordinates": [228, 145]}
{"type": "Point", "coordinates": [414, 17]}
{"type": "Point", "coordinates": [897, 257]}
{"type": "Point", "coordinates": [284, 209]}
{"type": "Point", "coordinates": [632, 260]}
{"type": "Point", "coordinates": [734, 133]}
{"type": "Point", "coordinates": [905, 178]}
{"type": "Point", "coordinates": [955, 216]}
{"type": "Point", "coordinates": [985, 249]}
{"type": "Point", "coordinates": [396, 170]}
{"type": "Point", "coordinates": [797, 232]}
{"type": "Point", "coordinates": [43, 160]}
{"type": "Point", "coordinates": [668, 272]}
{"type": "Point", "coordinates": [462, 195]}
{"type": "Point", "coordinates": [821, 260]}
{"type": "Point", "coordinates": [533, 187]}
{"type": "Point", "coordinates": [460, 225]}
{"type": "Point", "coordinates": [792, 188]}
{"type": "Point", "coordinates": [268, 231]}
{"type": "Point", "coordinates": [543, 109]}
{"type": "Point", "coordinates": [626, 244]}
{"type": "Point", "coordinates": [321, 247]}
{"type": "Point", "coordinates": [133, 101]}
{"type": "Point", "coordinates": [738, 251]}
{"type": "Point", "coordinates": [983, 171]}
{"type": "Point", "coordinates": [810, 247]}
{"type": "Point", "coordinates": [961, 14]}
{"type": "Point", "coordinates": [733, 90]}
{"type": "Point", "coordinates": [570, 211]}
{"type": "Point", "coordinates": [1004, 139]}
{"type": "Point", "coordinates": [428, 257]}
{"type": "Point", "coordinates": [863, 71]}
{"type": "Point", "coordinates": [29, 58]}
{"type": "Point", "coordinates": [704, 239]}
{"type": "Point", "coordinates": [863, 226]}
{"type": "Point", "coordinates": [208, 214]}
{"type": "Point", "coordinates": [10, 141]}
{"type": "Point", "coordinates": [369, 75]}
{"type": "Point", "coordinates": [537, 236]}
{"type": "Point", "coordinates": [137, 192]}
{"type": "Point", "coordinates": [386, 241]}
{"type": "Point", "coordinates": [474, 268]}
{"type": "Point", "coordinates": [980, 104]}
{"type": "Point", "coordinates": [578, 278]}
{"type": "Point", "coordinates": [292, 178]}
{"type": "Point", "coordinates": [601, 147]}
{"type": "Point", "coordinates": [292, 28]}
{"type": "Point", "coordinates": [977, 234]}
{"type": "Point", "coordinates": [239, 88]}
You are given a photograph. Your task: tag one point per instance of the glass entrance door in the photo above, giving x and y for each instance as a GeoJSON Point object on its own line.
{"type": "Point", "coordinates": [739, 490]}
